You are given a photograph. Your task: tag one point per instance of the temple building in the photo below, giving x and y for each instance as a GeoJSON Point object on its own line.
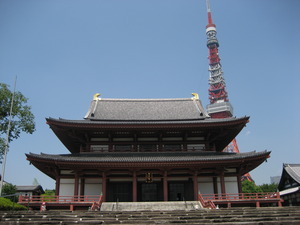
{"type": "Point", "coordinates": [147, 150]}
{"type": "Point", "coordinates": [289, 184]}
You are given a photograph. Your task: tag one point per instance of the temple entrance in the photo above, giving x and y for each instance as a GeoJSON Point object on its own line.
{"type": "Point", "coordinates": [119, 192]}
{"type": "Point", "coordinates": [180, 191]}
{"type": "Point", "coordinates": [150, 192]}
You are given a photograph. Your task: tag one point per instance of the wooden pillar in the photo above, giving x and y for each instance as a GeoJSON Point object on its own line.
{"type": "Point", "coordinates": [57, 185]}
{"type": "Point", "coordinates": [239, 183]}
{"type": "Point", "coordinates": [222, 181]}
{"type": "Point", "coordinates": [134, 187]}
{"type": "Point", "coordinates": [215, 185]}
{"type": "Point", "coordinates": [165, 184]}
{"type": "Point", "coordinates": [195, 181]}
{"type": "Point", "coordinates": [82, 181]}
{"type": "Point", "coordinates": [103, 186]}
{"type": "Point", "coordinates": [76, 186]}
{"type": "Point", "coordinates": [257, 204]}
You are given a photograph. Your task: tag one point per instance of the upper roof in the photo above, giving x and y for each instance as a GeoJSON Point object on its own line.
{"type": "Point", "coordinates": [146, 109]}
{"type": "Point", "coordinates": [135, 116]}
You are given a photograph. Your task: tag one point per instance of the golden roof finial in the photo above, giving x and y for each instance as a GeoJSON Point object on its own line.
{"type": "Point", "coordinates": [196, 96]}
{"type": "Point", "coordinates": [96, 96]}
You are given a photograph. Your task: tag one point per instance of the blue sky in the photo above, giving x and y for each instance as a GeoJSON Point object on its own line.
{"type": "Point", "coordinates": [65, 51]}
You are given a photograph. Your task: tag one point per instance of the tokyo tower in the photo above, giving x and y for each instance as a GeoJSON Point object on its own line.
{"type": "Point", "coordinates": [219, 106]}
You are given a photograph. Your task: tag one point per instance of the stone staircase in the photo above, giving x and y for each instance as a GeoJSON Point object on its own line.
{"type": "Point", "coordinates": [150, 206]}
{"type": "Point", "coordinates": [232, 216]}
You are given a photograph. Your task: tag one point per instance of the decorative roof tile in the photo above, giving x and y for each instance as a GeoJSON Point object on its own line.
{"type": "Point", "coordinates": [146, 109]}
{"type": "Point", "coordinates": [293, 170]}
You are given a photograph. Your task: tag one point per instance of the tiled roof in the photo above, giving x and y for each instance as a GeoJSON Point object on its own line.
{"type": "Point", "coordinates": [146, 109]}
{"type": "Point", "coordinates": [293, 170]}
{"type": "Point", "coordinates": [147, 157]}
{"type": "Point", "coordinates": [21, 188]}
{"type": "Point", "coordinates": [149, 122]}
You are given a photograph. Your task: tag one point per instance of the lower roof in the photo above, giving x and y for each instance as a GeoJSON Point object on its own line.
{"type": "Point", "coordinates": [113, 160]}
{"type": "Point", "coordinates": [145, 157]}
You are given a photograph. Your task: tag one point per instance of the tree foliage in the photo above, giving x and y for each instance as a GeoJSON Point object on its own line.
{"type": "Point", "coordinates": [22, 119]}
{"type": "Point", "coordinates": [251, 187]}
{"type": "Point", "coordinates": [9, 189]}
{"type": "Point", "coordinates": [268, 187]}
{"type": "Point", "coordinates": [49, 192]}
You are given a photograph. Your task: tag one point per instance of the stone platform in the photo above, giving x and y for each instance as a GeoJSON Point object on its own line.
{"type": "Point", "coordinates": [228, 216]}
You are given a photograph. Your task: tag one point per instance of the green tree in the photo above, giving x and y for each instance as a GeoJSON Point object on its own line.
{"type": "Point", "coordinates": [22, 120]}
{"type": "Point", "coordinates": [10, 189]}
{"type": "Point", "coordinates": [49, 192]}
{"type": "Point", "coordinates": [250, 187]}
{"type": "Point", "coordinates": [268, 187]}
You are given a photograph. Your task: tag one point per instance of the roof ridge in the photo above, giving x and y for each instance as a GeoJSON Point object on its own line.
{"type": "Point", "coordinates": [145, 99]}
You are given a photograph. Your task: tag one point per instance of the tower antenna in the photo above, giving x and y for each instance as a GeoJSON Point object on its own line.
{"type": "Point", "coordinates": [219, 106]}
{"type": "Point", "coordinates": [208, 12]}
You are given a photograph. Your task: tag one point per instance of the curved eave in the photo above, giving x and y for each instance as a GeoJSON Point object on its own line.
{"type": "Point", "coordinates": [245, 162]}
{"type": "Point", "coordinates": [69, 131]}
{"type": "Point", "coordinates": [289, 171]}
{"type": "Point", "coordinates": [146, 123]}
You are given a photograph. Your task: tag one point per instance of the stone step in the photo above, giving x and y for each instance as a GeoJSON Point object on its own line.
{"type": "Point", "coordinates": [157, 220]}
{"type": "Point", "coordinates": [249, 216]}
{"type": "Point", "coordinates": [150, 206]}
{"type": "Point", "coordinates": [203, 222]}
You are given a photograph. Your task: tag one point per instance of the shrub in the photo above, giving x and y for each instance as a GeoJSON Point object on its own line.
{"type": "Point", "coordinates": [49, 195]}
{"type": "Point", "coordinates": [6, 204]}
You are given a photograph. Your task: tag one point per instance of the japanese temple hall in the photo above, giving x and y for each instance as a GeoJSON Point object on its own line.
{"type": "Point", "coordinates": [130, 150]}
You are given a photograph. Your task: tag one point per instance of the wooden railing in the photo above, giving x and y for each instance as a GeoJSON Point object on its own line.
{"type": "Point", "coordinates": [92, 202]}
{"type": "Point", "coordinates": [208, 204]}
{"type": "Point", "coordinates": [242, 198]}
{"type": "Point", "coordinates": [58, 198]}
{"type": "Point", "coordinates": [97, 205]}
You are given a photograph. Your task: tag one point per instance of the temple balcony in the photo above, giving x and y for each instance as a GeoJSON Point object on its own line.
{"type": "Point", "coordinates": [94, 202]}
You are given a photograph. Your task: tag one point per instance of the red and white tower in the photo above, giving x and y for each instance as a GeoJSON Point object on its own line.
{"type": "Point", "coordinates": [219, 106]}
